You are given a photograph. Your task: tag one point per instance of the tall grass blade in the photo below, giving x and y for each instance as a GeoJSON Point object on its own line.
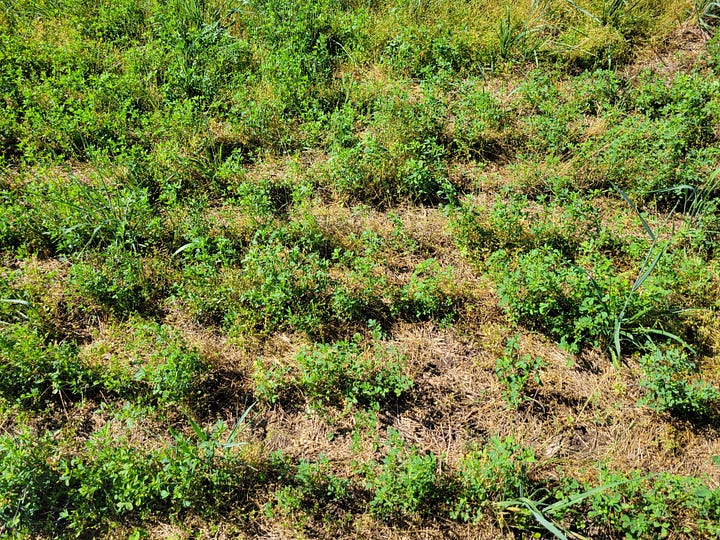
{"type": "Point", "coordinates": [239, 426]}
{"type": "Point", "coordinates": [540, 518]}
{"type": "Point", "coordinates": [702, 195]}
{"type": "Point", "coordinates": [15, 301]}
{"type": "Point", "coordinates": [584, 11]}
{"type": "Point", "coordinates": [201, 435]}
{"type": "Point", "coordinates": [669, 335]}
{"type": "Point", "coordinates": [632, 205]}
{"type": "Point", "coordinates": [183, 248]}
{"type": "Point", "coordinates": [578, 497]}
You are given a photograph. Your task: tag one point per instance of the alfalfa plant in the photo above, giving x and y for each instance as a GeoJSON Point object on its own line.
{"type": "Point", "coordinates": [493, 473]}
{"type": "Point", "coordinates": [672, 384]}
{"type": "Point", "coordinates": [155, 365]}
{"type": "Point", "coordinates": [546, 291]}
{"type": "Point", "coordinates": [112, 476]}
{"type": "Point", "coordinates": [314, 490]}
{"type": "Point", "coordinates": [548, 515]}
{"type": "Point", "coordinates": [427, 294]}
{"type": "Point", "coordinates": [33, 372]}
{"type": "Point", "coordinates": [406, 483]}
{"type": "Point", "coordinates": [29, 486]}
{"type": "Point", "coordinates": [282, 287]}
{"type": "Point", "coordinates": [515, 371]}
{"type": "Point", "coordinates": [344, 375]}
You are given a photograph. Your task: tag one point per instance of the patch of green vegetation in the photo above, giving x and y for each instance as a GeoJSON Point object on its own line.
{"type": "Point", "coordinates": [337, 210]}
{"type": "Point", "coordinates": [34, 373]}
{"type": "Point", "coordinates": [515, 371]}
{"type": "Point", "coordinates": [405, 483]}
{"type": "Point", "coordinates": [495, 472]}
{"type": "Point", "coordinates": [671, 382]}
{"type": "Point", "coordinates": [153, 363]}
{"type": "Point", "coordinates": [314, 489]}
{"type": "Point", "coordinates": [343, 375]}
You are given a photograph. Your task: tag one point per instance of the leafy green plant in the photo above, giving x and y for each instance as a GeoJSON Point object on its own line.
{"type": "Point", "coordinates": [546, 291]}
{"type": "Point", "coordinates": [563, 221]}
{"type": "Point", "coordinates": [364, 292]}
{"type": "Point", "coordinates": [28, 483]}
{"type": "Point", "coordinates": [405, 483]}
{"type": "Point", "coordinates": [121, 22]}
{"type": "Point", "coordinates": [649, 144]}
{"type": "Point", "coordinates": [156, 364]}
{"type": "Point", "coordinates": [671, 383]}
{"type": "Point", "coordinates": [515, 371]}
{"type": "Point", "coordinates": [426, 52]}
{"type": "Point", "coordinates": [495, 472]}
{"type": "Point", "coordinates": [111, 475]}
{"type": "Point", "coordinates": [644, 506]}
{"type": "Point", "coordinates": [282, 287]}
{"type": "Point", "coordinates": [482, 122]}
{"type": "Point", "coordinates": [345, 374]}
{"type": "Point", "coordinates": [426, 296]}
{"type": "Point", "coordinates": [202, 56]}
{"type": "Point", "coordinates": [549, 515]}
{"type": "Point", "coordinates": [314, 489]}
{"type": "Point", "coordinates": [120, 281]}
{"type": "Point", "coordinates": [33, 372]}
{"type": "Point", "coordinates": [382, 175]}
{"type": "Point", "coordinates": [209, 463]}
{"type": "Point", "coordinates": [481, 232]}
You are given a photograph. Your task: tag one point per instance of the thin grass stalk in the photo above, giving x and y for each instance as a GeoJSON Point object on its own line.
{"type": "Point", "coordinates": [646, 269]}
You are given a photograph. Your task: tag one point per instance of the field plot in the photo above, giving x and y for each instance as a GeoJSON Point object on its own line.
{"type": "Point", "coordinates": [359, 269]}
